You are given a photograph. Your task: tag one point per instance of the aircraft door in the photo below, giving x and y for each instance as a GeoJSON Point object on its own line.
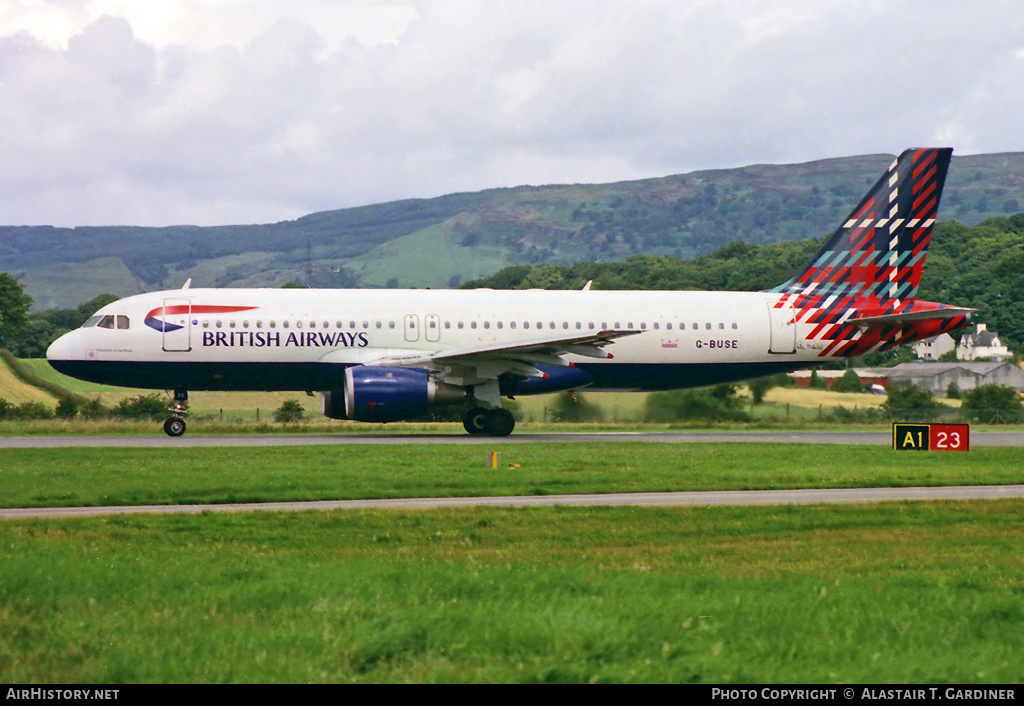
{"type": "Point", "coordinates": [412, 328]}
{"type": "Point", "coordinates": [433, 325]}
{"type": "Point", "coordinates": [177, 329]}
{"type": "Point", "coordinates": [783, 329]}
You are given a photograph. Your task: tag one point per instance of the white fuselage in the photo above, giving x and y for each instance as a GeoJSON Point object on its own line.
{"type": "Point", "coordinates": [270, 328]}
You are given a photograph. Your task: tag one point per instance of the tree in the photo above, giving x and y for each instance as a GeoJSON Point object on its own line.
{"type": "Point", "coordinates": [909, 401]}
{"type": "Point", "coordinates": [14, 306]}
{"type": "Point", "coordinates": [991, 404]}
{"type": "Point", "coordinates": [718, 403]}
{"type": "Point", "coordinates": [759, 387]}
{"type": "Point", "coordinates": [289, 411]}
{"type": "Point", "coordinates": [849, 382]}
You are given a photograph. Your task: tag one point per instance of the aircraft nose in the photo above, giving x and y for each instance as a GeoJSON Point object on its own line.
{"type": "Point", "coordinates": [63, 348]}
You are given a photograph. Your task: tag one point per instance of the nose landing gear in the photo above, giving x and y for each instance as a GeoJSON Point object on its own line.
{"type": "Point", "coordinates": [175, 426]}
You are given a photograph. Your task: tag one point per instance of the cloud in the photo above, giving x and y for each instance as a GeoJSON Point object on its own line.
{"type": "Point", "coordinates": [239, 111]}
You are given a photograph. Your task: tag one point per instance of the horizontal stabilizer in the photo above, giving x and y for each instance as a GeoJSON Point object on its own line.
{"type": "Point", "coordinates": [947, 312]}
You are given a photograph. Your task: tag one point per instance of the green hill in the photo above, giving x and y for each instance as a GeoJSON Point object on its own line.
{"type": "Point", "coordinates": [442, 241]}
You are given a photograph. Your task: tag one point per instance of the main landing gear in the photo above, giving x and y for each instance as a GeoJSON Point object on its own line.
{"type": "Point", "coordinates": [175, 426]}
{"type": "Point", "coordinates": [494, 422]}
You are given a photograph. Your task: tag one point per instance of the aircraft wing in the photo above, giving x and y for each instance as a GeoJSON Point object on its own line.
{"type": "Point", "coordinates": [587, 345]}
{"type": "Point", "coordinates": [485, 362]}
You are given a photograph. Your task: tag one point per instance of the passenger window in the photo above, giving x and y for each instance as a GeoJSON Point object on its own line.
{"type": "Point", "coordinates": [721, 327]}
{"type": "Point", "coordinates": [284, 324]}
{"type": "Point", "coordinates": [312, 324]}
{"type": "Point", "coordinates": [707, 326]}
{"type": "Point", "coordinates": [734, 327]}
{"type": "Point", "coordinates": [206, 323]}
{"type": "Point", "coordinates": [487, 324]}
{"type": "Point", "coordinates": [231, 324]}
{"type": "Point", "coordinates": [656, 325]}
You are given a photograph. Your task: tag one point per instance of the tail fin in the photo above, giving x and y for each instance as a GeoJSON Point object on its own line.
{"type": "Point", "coordinates": [880, 249]}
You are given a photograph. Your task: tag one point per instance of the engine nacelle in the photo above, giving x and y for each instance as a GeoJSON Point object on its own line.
{"type": "Point", "coordinates": [379, 394]}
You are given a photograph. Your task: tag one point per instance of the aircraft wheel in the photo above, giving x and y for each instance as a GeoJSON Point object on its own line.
{"type": "Point", "coordinates": [174, 427]}
{"type": "Point", "coordinates": [499, 422]}
{"type": "Point", "coordinates": [474, 420]}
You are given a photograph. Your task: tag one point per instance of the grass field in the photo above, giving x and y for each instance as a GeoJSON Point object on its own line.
{"type": "Point", "coordinates": [899, 593]}
{"type": "Point", "coordinates": [113, 476]}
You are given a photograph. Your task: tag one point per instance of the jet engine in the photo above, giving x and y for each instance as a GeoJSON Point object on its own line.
{"type": "Point", "coordinates": [380, 394]}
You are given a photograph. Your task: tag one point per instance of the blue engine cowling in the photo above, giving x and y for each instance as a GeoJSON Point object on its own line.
{"type": "Point", "coordinates": [380, 394]}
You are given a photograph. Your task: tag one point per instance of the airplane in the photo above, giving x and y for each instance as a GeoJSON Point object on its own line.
{"type": "Point", "coordinates": [392, 355]}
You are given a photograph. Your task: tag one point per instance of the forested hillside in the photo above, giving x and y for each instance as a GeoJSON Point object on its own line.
{"type": "Point", "coordinates": [979, 266]}
{"type": "Point", "coordinates": [443, 241]}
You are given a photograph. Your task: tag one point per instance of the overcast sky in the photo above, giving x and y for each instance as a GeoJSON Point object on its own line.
{"type": "Point", "coordinates": [248, 111]}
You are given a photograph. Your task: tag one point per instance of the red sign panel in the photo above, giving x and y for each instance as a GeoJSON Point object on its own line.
{"type": "Point", "coordinates": [949, 437]}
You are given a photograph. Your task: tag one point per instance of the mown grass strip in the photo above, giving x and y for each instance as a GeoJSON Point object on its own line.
{"type": "Point", "coordinates": [118, 476]}
{"type": "Point", "coordinates": [904, 592]}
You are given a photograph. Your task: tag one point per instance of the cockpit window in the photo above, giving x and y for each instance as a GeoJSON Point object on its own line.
{"type": "Point", "coordinates": [110, 321]}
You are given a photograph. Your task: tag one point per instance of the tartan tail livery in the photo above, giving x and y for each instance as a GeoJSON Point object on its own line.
{"type": "Point", "coordinates": [858, 294]}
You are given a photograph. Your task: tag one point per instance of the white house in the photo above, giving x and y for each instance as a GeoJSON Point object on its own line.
{"type": "Point", "coordinates": [983, 344]}
{"type": "Point", "coordinates": [931, 348]}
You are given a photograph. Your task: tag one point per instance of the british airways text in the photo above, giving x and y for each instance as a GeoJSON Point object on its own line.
{"type": "Point", "coordinates": [273, 339]}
